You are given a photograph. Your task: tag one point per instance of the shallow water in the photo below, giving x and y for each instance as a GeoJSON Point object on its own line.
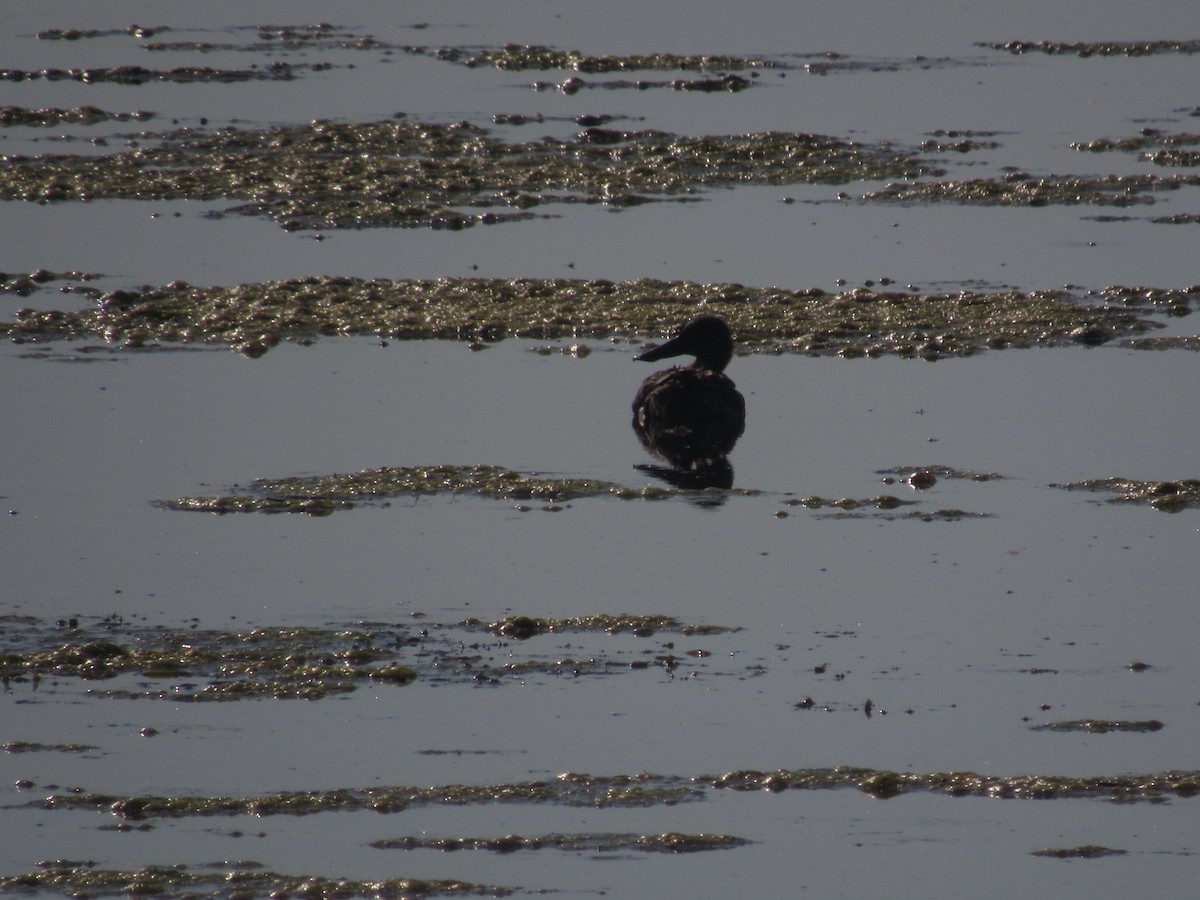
{"type": "Point", "coordinates": [964, 632]}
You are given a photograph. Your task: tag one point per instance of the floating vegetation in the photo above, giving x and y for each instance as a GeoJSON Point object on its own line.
{"type": "Point", "coordinates": [413, 174]}
{"type": "Point", "coordinates": [851, 510]}
{"type": "Point", "coordinates": [1173, 301]}
{"type": "Point", "coordinates": [1177, 219]}
{"type": "Point", "coordinates": [85, 880]}
{"type": "Point", "coordinates": [956, 142]}
{"type": "Point", "coordinates": [1088, 851]}
{"type": "Point", "coordinates": [1102, 726]}
{"type": "Point", "coordinates": [848, 507]}
{"type": "Point", "coordinates": [524, 57]}
{"type": "Point", "coordinates": [34, 747]}
{"type": "Point", "coordinates": [723, 83]}
{"type": "Point", "coordinates": [409, 174]}
{"type": "Point", "coordinates": [885, 501]}
{"type": "Point", "coordinates": [570, 789]}
{"type": "Point", "coordinates": [632, 791]}
{"type": "Point", "coordinates": [77, 34]}
{"type": "Point", "coordinates": [1153, 146]}
{"type": "Point", "coordinates": [276, 39]}
{"type": "Point", "coordinates": [923, 477]}
{"type": "Point", "coordinates": [240, 503]}
{"type": "Point", "coordinates": [313, 663]}
{"type": "Point", "coordinates": [1024, 189]}
{"type": "Point", "coordinates": [1176, 342]}
{"type": "Point", "coordinates": [321, 495]}
{"type": "Point", "coordinates": [252, 318]}
{"type": "Point", "coordinates": [670, 842]}
{"type": "Point", "coordinates": [77, 115]}
{"type": "Point", "coordinates": [1085, 49]}
{"type": "Point", "coordinates": [532, 57]}
{"type": "Point", "coordinates": [1168, 496]}
{"type": "Point", "coordinates": [284, 39]}
{"type": "Point", "coordinates": [524, 627]}
{"type": "Point", "coordinates": [946, 515]}
{"type": "Point", "coordinates": [24, 285]}
{"type": "Point", "coordinates": [1149, 138]}
{"type": "Point", "coordinates": [886, 784]}
{"type": "Point", "coordinates": [138, 75]}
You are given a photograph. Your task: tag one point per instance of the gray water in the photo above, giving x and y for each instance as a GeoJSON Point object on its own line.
{"type": "Point", "coordinates": [963, 633]}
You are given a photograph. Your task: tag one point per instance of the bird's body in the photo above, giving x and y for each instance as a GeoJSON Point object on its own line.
{"type": "Point", "coordinates": [691, 415]}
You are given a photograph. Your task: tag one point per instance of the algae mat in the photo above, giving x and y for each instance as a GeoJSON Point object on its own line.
{"type": "Point", "coordinates": [861, 322]}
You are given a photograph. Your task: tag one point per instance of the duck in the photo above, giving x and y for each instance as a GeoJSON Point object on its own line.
{"type": "Point", "coordinates": [692, 415]}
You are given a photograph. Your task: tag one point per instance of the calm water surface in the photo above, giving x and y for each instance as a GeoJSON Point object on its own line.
{"type": "Point", "coordinates": [963, 633]}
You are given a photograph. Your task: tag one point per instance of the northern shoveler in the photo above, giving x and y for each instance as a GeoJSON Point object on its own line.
{"type": "Point", "coordinates": [691, 416]}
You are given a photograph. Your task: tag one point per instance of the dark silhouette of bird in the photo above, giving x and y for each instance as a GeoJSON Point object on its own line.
{"type": "Point", "coordinates": [691, 416]}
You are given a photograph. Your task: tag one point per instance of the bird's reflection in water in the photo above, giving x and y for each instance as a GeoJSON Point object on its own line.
{"type": "Point", "coordinates": [691, 416]}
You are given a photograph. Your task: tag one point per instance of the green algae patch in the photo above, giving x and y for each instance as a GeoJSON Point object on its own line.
{"type": "Point", "coordinates": [86, 880]}
{"type": "Point", "coordinates": [880, 507]}
{"type": "Point", "coordinates": [1157, 147]}
{"type": "Point", "coordinates": [1173, 342]}
{"type": "Point", "coordinates": [1171, 301]}
{"type": "Point", "coordinates": [1167, 496]}
{"type": "Point", "coordinates": [309, 506]}
{"type": "Point", "coordinates": [35, 747]}
{"type": "Point", "coordinates": [524, 57]}
{"type": "Point", "coordinates": [524, 627]}
{"type": "Point", "coordinates": [645, 790]}
{"type": "Point", "coordinates": [494, 482]}
{"type": "Point", "coordinates": [1024, 189]}
{"type": "Point", "coordinates": [847, 504]}
{"type": "Point", "coordinates": [1084, 49]}
{"type": "Point", "coordinates": [77, 115]}
{"type": "Point", "coordinates": [884, 784]}
{"type": "Point", "coordinates": [280, 663]}
{"type": "Point", "coordinates": [323, 494]}
{"type": "Point", "coordinates": [112, 660]}
{"type": "Point", "coordinates": [724, 83]}
{"type": "Point", "coordinates": [949, 514]}
{"type": "Point", "coordinates": [568, 789]}
{"type": "Point", "coordinates": [1103, 726]}
{"type": "Point", "coordinates": [401, 173]}
{"type": "Point", "coordinates": [24, 284]}
{"type": "Point", "coordinates": [669, 842]}
{"type": "Point", "coordinates": [81, 34]}
{"type": "Point", "coordinates": [540, 58]}
{"type": "Point", "coordinates": [922, 477]}
{"type": "Point", "coordinates": [139, 75]}
{"type": "Point", "coordinates": [252, 318]}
